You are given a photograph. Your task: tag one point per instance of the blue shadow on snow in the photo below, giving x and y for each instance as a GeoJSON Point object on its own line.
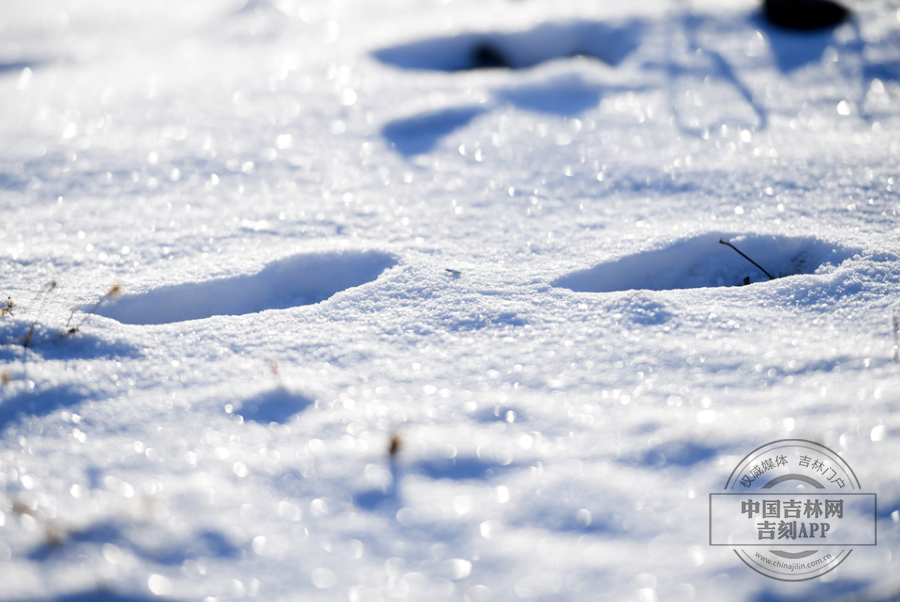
{"type": "Point", "coordinates": [98, 595]}
{"type": "Point", "coordinates": [568, 95]}
{"type": "Point", "coordinates": [459, 468]}
{"type": "Point", "coordinates": [419, 134]}
{"type": "Point", "coordinates": [278, 405]}
{"type": "Point", "coordinates": [683, 454]}
{"type": "Point", "coordinates": [886, 509]}
{"type": "Point", "coordinates": [888, 71]}
{"type": "Point", "coordinates": [794, 49]}
{"type": "Point", "coordinates": [38, 403]}
{"type": "Point", "coordinates": [565, 520]}
{"type": "Point", "coordinates": [157, 544]}
{"type": "Point", "coordinates": [50, 344]}
{"type": "Point", "coordinates": [387, 498]}
{"type": "Point", "coordinates": [817, 591]}
{"type": "Point", "coordinates": [18, 66]}
{"type": "Point", "coordinates": [693, 25]}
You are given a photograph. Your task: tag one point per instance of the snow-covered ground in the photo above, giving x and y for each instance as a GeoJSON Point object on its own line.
{"type": "Point", "coordinates": [331, 230]}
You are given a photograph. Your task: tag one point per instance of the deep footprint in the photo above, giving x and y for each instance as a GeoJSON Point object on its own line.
{"type": "Point", "coordinates": [289, 282]}
{"type": "Point", "coordinates": [464, 52]}
{"type": "Point", "coordinates": [702, 261]}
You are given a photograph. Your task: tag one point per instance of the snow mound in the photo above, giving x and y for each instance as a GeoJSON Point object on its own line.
{"type": "Point", "coordinates": [702, 261]}
{"type": "Point", "coordinates": [520, 50]}
{"type": "Point", "coordinates": [290, 282]}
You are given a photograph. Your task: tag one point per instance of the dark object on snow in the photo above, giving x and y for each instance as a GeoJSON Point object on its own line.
{"type": "Point", "coordinates": [485, 56]}
{"type": "Point", "coordinates": [395, 445]}
{"type": "Point", "coordinates": [804, 14]}
{"type": "Point", "coordinates": [747, 281]}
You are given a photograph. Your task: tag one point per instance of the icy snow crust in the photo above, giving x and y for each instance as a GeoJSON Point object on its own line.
{"type": "Point", "coordinates": [489, 227]}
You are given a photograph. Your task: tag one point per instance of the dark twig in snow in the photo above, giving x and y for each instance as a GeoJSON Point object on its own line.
{"type": "Point", "coordinates": [771, 277]}
{"type": "Point", "coordinates": [273, 366]}
{"type": "Point", "coordinates": [28, 336]}
{"type": "Point", "coordinates": [113, 293]}
{"type": "Point", "coordinates": [7, 307]}
{"type": "Point", "coordinates": [45, 290]}
{"type": "Point", "coordinates": [395, 445]}
{"type": "Point", "coordinates": [43, 293]}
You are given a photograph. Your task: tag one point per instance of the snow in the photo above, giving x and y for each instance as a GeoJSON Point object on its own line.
{"type": "Point", "coordinates": [488, 228]}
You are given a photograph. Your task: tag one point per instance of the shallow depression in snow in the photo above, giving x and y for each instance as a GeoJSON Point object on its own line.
{"type": "Point", "coordinates": [290, 282]}
{"type": "Point", "coordinates": [702, 261]}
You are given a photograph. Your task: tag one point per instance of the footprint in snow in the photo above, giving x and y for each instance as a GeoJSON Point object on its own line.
{"type": "Point", "coordinates": [701, 261]}
{"type": "Point", "coordinates": [290, 282]}
{"type": "Point", "coordinates": [569, 95]}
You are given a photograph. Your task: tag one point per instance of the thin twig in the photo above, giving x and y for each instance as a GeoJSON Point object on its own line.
{"type": "Point", "coordinates": [396, 443]}
{"type": "Point", "coordinates": [71, 315]}
{"type": "Point", "coordinates": [114, 293]}
{"type": "Point", "coordinates": [771, 277]}
{"type": "Point", "coordinates": [273, 366]}
{"type": "Point", "coordinates": [28, 336]}
{"type": "Point", "coordinates": [43, 293]}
